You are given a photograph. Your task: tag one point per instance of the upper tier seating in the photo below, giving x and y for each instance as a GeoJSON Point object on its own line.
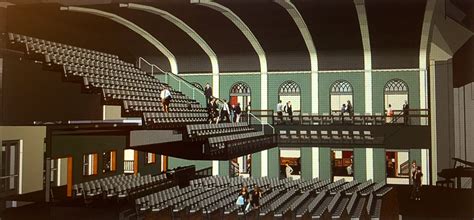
{"type": "Point", "coordinates": [138, 94]}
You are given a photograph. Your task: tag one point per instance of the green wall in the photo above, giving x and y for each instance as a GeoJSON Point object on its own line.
{"type": "Point", "coordinates": [360, 167]}
{"type": "Point", "coordinates": [224, 167]}
{"type": "Point", "coordinates": [380, 172]}
{"type": "Point", "coordinates": [356, 79]}
{"type": "Point", "coordinates": [324, 163]}
{"type": "Point", "coordinates": [274, 162]}
{"type": "Point", "coordinates": [201, 79]}
{"type": "Point", "coordinates": [303, 80]}
{"type": "Point", "coordinates": [174, 162]}
{"type": "Point", "coordinates": [226, 81]}
{"type": "Point", "coordinates": [306, 163]}
{"type": "Point", "coordinates": [379, 79]}
{"type": "Point", "coordinates": [256, 165]}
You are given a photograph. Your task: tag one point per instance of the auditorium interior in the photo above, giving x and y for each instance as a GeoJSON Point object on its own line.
{"type": "Point", "coordinates": [178, 109]}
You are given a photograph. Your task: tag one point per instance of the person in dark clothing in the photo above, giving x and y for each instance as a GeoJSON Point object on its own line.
{"type": "Point", "coordinates": [213, 108]}
{"type": "Point", "coordinates": [349, 108]}
{"type": "Point", "coordinates": [237, 112]}
{"type": "Point", "coordinates": [225, 111]}
{"type": "Point", "coordinates": [416, 191]}
{"type": "Point", "coordinates": [208, 92]}
{"type": "Point", "coordinates": [289, 110]}
{"type": "Point", "coordinates": [406, 112]}
{"type": "Point", "coordinates": [255, 196]}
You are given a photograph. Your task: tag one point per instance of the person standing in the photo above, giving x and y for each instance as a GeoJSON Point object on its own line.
{"type": "Point", "coordinates": [279, 110]}
{"type": "Point", "coordinates": [389, 114]}
{"type": "Point", "coordinates": [225, 111]}
{"type": "Point", "coordinates": [349, 108]}
{"type": "Point", "coordinates": [237, 112]}
{"type": "Point", "coordinates": [417, 184]}
{"type": "Point", "coordinates": [289, 110]}
{"type": "Point", "coordinates": [165, 96]}
{"type": "Point", "coordinates": [208, 92]}
{"type": "Point", "coordinates": [255, 196]}
{"type": "Point", "coordinates": [288, 170]}
{"type": "Point", "coordinates": [406, 112]}
{"type": "Point", "coordinates": [215, 110]}
{"type": "Point", "coordinates": [247, 110]}
{"type": "Point", "coordinates": [244, 193]}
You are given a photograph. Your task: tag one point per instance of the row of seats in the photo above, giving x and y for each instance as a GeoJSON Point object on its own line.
{"type": "Point", "coordinates": [120, 186]}
{"type": "Point", "coordinates": [328, 119]}
{"type": "Point", "coordinates": [174, 117]}
{"type": "Point", "coordinates": [334, 136]}
{"type": "Point", "coordinates": [198, 130]}
{"type": "Point", "coordinates": [132, 75]}
{"type": "Point", "coordinates": [144, 106]}
{"type": "Point", "coordinates": [18, 38]}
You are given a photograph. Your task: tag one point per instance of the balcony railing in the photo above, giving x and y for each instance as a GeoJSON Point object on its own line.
{"type": "Point", "coordinates": [412, 117]}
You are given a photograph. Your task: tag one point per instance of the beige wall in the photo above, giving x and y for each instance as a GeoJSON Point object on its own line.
{"type": "Point", "coordinates": [112, 112]}
{"type": "Point", "coordinates": [32, 164]}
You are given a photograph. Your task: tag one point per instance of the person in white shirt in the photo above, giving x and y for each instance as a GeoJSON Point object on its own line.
{"type": "Point", "coordinates": [165, 96]}
{"type": "Point", "coordinates": [225, 111]}
{"type": "Point", "coordinates": [280, 111]}
{"type": "Point", "coordinates": [288, 170]}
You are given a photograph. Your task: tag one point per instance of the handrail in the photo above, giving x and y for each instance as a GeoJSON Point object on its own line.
{"type": "Point", "coordinates": [6, 177]}
{"type": "Point", "coordinates": [262, 123]}
{"type": "Point", "coordinates": [174, 76]}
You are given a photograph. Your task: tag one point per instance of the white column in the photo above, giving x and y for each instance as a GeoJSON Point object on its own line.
{"type": "Point", "coordinates": [215, 167]}
{"type": "Point", "coordinates": [364, 31]}
{"type": "Point", "coordinates": [315, 162]}
{"type": "Point", "coordinates": [424, 43]}
{"type": "Point", "coordinates": [425, 163]}
{"type": "Point", "coordinates": [264, 159]}
{"type": "Point", "coordinates": [215, 84]}
{"type": "Point", "coordinates": [369, 163]}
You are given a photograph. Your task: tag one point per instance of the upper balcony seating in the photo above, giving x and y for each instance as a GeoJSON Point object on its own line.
{"type": "Point", "coordinates": [203, 130]}
{"type": "Point", "coordinates": [121, 83]}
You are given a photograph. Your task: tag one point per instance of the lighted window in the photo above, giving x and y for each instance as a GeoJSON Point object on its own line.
{"type": "Point", "coordinates": [89, 164]}
{"type": "Point", "coordinates": [150, 158]}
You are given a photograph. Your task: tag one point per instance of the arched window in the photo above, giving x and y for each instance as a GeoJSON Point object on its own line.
{"type": "Point", "coordinates": [240, 89]}
{"type": "Point", "coordinates": [340, 92]}
{"type": "Point", "coordinates": [395, 94]}
{"type": "Point", "coordinates": [290, 91]}
{"type": "Point", "coordinates": [240, 93]}
{"type": "Point", "coordinates": [197, 85]}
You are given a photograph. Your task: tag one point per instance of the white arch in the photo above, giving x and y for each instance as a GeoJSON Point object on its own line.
{"type": "Point", "coordinates": [150, 38]}
{"type": "Point", "coordinates": [188, 30]}
{"type": "Point", "coordinates": [308, 39]}
{"type": "Point", "coordinates": [424, 43]}
{"type": "Point", "coordinates": [365, 35]}
{"type": "Point", "coordinates": [261, 57]}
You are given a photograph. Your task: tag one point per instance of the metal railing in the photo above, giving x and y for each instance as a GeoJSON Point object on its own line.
{"type": "Point", "coordinates": [414, 117]}
{"type": "Point", "coordinates": [177, 82]}
{"type": "Point", "coordinates": [262, 123]}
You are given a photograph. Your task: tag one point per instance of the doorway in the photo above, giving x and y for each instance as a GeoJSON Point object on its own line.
{"type": "Point", "coordinates": [342, 164]}
{"type": "Point", "coordinates": [9, 168]}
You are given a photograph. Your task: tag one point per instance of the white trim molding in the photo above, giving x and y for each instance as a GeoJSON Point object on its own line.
{"type": "Point", "coordinates": [132, 26]}
{"type": "Point", "coordinates": [264, 161]}
{"type": "Point", "coordinates": [424, 45]}
{"type": "Point", "coordinates": [365, 35]}
{"type": "Point", "coordinates": [234, 18]}
{"type": "Point", "coordinates": [308, 39]}
{"type": "Point", "coordinates": [369, 163]}
{"type": "Point", "coordinates": [190, 32]}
